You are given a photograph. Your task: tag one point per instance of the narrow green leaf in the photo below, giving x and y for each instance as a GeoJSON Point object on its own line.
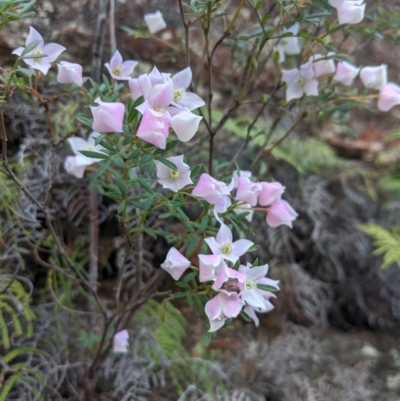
{"type": "Point", "coordinates": [95, 155]}
{"type": "Point", "coordinates": [144, 185]}
{"type": "Point", "coordinates": [30, 47]}
{"type": "Point", "coordinates": [103, 168]}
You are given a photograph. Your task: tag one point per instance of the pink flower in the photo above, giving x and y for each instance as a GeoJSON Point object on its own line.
{"type": "Point", "coordinates": [241, 173]}
{"type": "Point", "coordinates": [281, 213]}
{"type": "Point", "coordinates": [210, 266]}
{"type": "Point", "coordinates": [69, 73]}
{"type": "Point", "coordinates": [108, 117]}
{"type": "Point", "coordinates": [323, 66]}
{"type": "Point", "coordinates": [182, 98]}
{"type": "Point", "coordinates": [270, 193]}
{"type": "Point", "coordinates": [214, 192]}
{"type": "Point", "coordinates": [222, 244]}
{"type": "Point", "coordinates": [120, 341]}
{"type": "Point", "coordinates": [389, 96]}
{"type": "Point", "coordinates": [351, 12]}
{"type": "Point", "coordinates": [175, 264]}
{"type": "Point", "coordinates": [222, 307]}
{"type": "Point", "coordinates": [229, 281]}
{"type": "Point", "coordinates": [120, 69]}
{"type": "Point", "coordinates": [174, 179]}
{"type": "Point", "coordinates": [252, 295]}
{"type": "Point", "coordinates": [247, 191]}
{"type": "Point", "coordinates": [51, 52]}
{"type": "Point", "coordinates": [154, 128]}
{"type": "Point", "coordinates": [76, 165]}
{"type": "Point", "coordinates": [300, 82]}
{"type": "Point", "coordinates": [345, 73]}
{"type": "Point", "coordinates": [155, 22]}
{"type": "Point", "coordinates": [374, 77]}
{"type": "Point", "coordinates": [74, 168]}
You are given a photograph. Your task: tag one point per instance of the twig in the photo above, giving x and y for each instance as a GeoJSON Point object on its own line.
{"type": "Point", "coordinates": [186, 26]}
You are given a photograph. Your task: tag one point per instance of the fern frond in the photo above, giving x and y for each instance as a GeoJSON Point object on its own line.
{"type": "Point", "coordinates": [386, 243]}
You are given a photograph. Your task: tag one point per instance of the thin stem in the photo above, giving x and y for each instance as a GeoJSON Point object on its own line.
{"type": "Point", "coordinates": [186, 27]}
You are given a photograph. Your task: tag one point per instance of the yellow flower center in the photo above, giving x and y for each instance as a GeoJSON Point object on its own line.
{"type": "Point", "coordinates": [37, 51]}
{"type": "Point", "coordinates": [175, 175]}
{"type": "Point", "coordinates": [178, 94]}
{"type": "Point", "coordinates": [118, 71]}
{"type": "Point", "coordinates": [301, 81]}
{"type": "Point", "coordinates": [160, 109]}
{"type": "Point", "coordinates": [226, 248]}
{"type": "Point", "coordinates": [250, 284]}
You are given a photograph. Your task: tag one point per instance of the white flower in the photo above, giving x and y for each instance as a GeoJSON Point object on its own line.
{"type": "Point", "coordinates": [374, 77]}
{"type": "Point", "coordinates": [155, 22]}
{"type": "Point", "coordinates": [345, 73]}
{"type": "Point", "coordinates": [289, 45]}
{"type": "Point", "coordinates": [174, 179]}
{"type": "Point", "coordinates": [300, 82]}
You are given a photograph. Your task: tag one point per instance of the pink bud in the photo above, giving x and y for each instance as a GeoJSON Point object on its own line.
{"type": "Point", "coordinates": [270, 192]}
{"type": "Point", "coordinates": [389, 96]}
{"type": "Point", "coordinates": [281, 213]}
{"type": "Point", "coordinates": [175, 264]}
{"type": "Point", "coordinates": [120, 341]}
{"type": "Point", "coordinates": [345, 73]}
{"type": "Point", "coordinates": [69, 73]}
{"type": "Point", "coordinates": [153, 128]}
{"type": "Point", "coordinates": [108, 117]}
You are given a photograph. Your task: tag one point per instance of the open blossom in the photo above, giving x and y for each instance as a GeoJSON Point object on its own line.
{"type": "Point", "coordinates": [182, 98]}
{"type": "Point", "coordinates": [214, 192]}
{"type": "Point", "coordinates": [143, 85]}
{"type": "Point", "coordinates": [153, 128]}
{"type": "Point", "coordinates": [389, 96]}
{"type": "Point", "coordinates": [175, 264]}
{"type": "Point", "coordinates": [300, 81]}
{"type": "Point", "coordinates": [155, 22]}
{"type": "Point", "coordinates": [76, 165]}
{"type": "Point", "coordinates": [210, 266]}
{"type": "Point", "coordinates": [108, 117]}
{"type": "Point", "coordinates": [289, 45]}
{"type": "Point", "coordinates": [222, 307]}
{"type": "Point", "coordinates": [247, 191]}
{"type": "Point", "coordinates": [351, 11]}
{"type": "Point", "coordinates": [374, 77]}
{"type": "Point", "coordinates": [120, 341]}
{"type": "Point", "coordinates": [222, 244]}
{"type": "Point", "coordinates": [73, 167]}
{"type": "Point", "coordinates": [252, 295]}
{"type": "Point", "coordinates": [174, 179]}
{"type": "Point", "coordinates": [69, 73]}
{"type": "Point", "coordinates": [345, 73]}
{"type": "Point", "coordinates": [321, 65]}
{"type": "Point", "coordinates": [120, 69]}
{"type": "Point", "coordinates": [51, 52]}
{"type": "Point", "coordinates": [230, 281]}
{"type": "Point", "coordinates": [281, 213]}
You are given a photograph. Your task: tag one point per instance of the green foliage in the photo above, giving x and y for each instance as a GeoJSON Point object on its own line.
{"type": "Point", "coordinates": [170, 335]}
{"type": "Point", "coordinates": [14, 310]}
{"type": "Point", "coordinates": [14, 10]}
{"type": "Point", "coordinates": [17, 372]}
{"type": "Point", "coordinates": [386, 243]}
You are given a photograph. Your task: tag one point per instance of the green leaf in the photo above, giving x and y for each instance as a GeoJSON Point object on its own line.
{"type": "Point", "coordinates": [265, 287]}
{"type": "Point", "coordinates": [144, 185]}
{"type": "Point", "coordinates": [189, 277]}
{"type": "Point", "coordinates": [182, 214]}
{"type": "Point", "coordinates": [99, 138]}
{"type": "Point", "coordinates": [121, 185]}
{"type": "Point", "coordinates": [121, 207]}
{"type": "Point", "coordinates": [30, 47]}
{"type": "Point", "coordinates": [180, 295]}
{"type": "Point", "coordinates": [195, 170]}
{"type": "Point", "coordinates": [149, 202]}
{"type": "Point", "coordinates": [85, 121]}
{"type": "Point", "coordinates": [192, 246]}
{"type": "Point", "coordinates": [207, 339]}
{"type": "Point", "coordinates": [103, 168]}
{"type": "Point", "coordinates": [95, 155]}
{"type": "Point", "coordinates": [118, 160]}
{"type": "Point", "coordinates": [204, 222]}
{"type": "Point", "coordinates": [167, 162]}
